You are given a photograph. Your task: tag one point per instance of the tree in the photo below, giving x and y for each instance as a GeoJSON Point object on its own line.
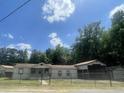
{"type": "Point", "coordinates": [49, 54]}
{"type": "Point", "coordinates": [59, 55]}
{"type": "Point", "coordinates": [88, 43]}
{"type": "Point", "coordinates": [11, 56]}
{"type": "Point", "coordinates": [22, 56]}
{"type": "Point", "coordinates": [117, 37]}
{"type": "Point", "coordinates": [38, 57]}
{"type": "Point", "coordinates": [105, 50]}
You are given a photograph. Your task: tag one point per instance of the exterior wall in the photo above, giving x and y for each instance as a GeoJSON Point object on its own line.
{"type": "Point", "coordinates": [55, 74]}
{"type": "Point", "coordinates": [118, 74]}
{"type": "Point", "coordinates": [37, 75]}
{"type": "Point", "coordinates": [82, 67]}
{"type": "Point", "coordinates": [25, 73]}
{"type": "Point", "coordinates": [4, 71]}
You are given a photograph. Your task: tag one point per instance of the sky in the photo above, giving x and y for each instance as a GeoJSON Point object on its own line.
{"type": "Point", "coordinates": [43, 24]}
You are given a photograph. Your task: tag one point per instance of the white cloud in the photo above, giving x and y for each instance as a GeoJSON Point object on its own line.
{"type": "Point", "coordinates": [10, 36]}
{"type": "Point", "coordinates": [116, 9]}
{"type": "Point", "coordinates": [53, 35]}
{"type": "Point", "coordinates": [57, 10]}
{"type": "Point", "coordinates": [55, 40]}
{"type": "Point", "coordinates": [21, 46]}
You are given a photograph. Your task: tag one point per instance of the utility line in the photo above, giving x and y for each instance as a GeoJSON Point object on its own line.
{"type": "Point", "coordinates": [15, 10]}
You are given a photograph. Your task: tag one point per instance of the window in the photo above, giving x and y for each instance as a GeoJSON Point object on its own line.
{"type": "Point", "coordinates": [40, 72]}
{"type": "Point", "coordinates": [85, 71]}
{"type": "Point", "coordinates": [46, 70]}
{"type": "Point", "coordinates": [33, 71]}
{"type": "Point", "coordinates": [68, 73]}
{"type": "Point", "coordinates": [59, 73]}
{"type": "Point", "coordinates": [20, 71]}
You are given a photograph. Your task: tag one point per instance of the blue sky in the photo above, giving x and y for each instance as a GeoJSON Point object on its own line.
{"type": "Point", "coordinates": [35, 26]}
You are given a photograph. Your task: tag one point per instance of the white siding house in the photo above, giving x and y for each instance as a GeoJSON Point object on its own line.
{"type": "Point", "coordinates": [63, 71]}
{"type": "Point", "coordinates": [45, 71]}
{"type": "Point", "coordinates": [22, 71]}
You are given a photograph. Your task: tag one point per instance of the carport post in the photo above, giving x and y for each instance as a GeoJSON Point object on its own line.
{"type": "Point", "coordinates": [49, 78]}
{"type": "Point", "coordinates": [110, 78]}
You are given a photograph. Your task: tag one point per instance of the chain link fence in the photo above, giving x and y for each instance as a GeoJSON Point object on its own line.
{"type": "Point", "coordinates": [63, 79]}
{"type": "Point", "coordinates": [92, 79]}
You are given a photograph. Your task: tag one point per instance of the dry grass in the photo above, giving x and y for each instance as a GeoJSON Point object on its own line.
{"type": "Point", "coordinates": [12, 85]}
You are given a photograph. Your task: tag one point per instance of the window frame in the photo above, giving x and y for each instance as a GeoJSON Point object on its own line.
{"type": "Point", "coordinates": [59, 73]}
{"type": "Point", "coordinates": [33, 70]}
{"type": "Point", "coordinates": [68, 73]}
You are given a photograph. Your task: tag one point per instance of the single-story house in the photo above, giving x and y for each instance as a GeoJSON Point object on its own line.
{"type": "Point", "coordinates": [6, 71]}
{"type": "Point", "coordinates": [82, 70]}
{"type": "Point", "coordinates": [43, 71]}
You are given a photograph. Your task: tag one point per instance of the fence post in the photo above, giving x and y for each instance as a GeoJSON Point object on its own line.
{"type": "Point", "coordinates": [20, 73]}
{"type": "Point", "coordinates": [41, 77]}
{"type": "Point", "coordinates": [110, 78]}
{"type": "Point", "coordinates": [71, 77]}
{"type": "Point", "coordinates": [20, 79]}
{"type": "Point", "coordinates": [49, 78]}
{"type": "Point", "coordinates": [95, 74]}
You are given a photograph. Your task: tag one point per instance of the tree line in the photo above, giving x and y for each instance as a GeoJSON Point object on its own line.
{"type": "Point", "coordinates": [93, 42]}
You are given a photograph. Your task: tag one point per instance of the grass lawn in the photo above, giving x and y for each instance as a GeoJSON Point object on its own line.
{"type": "Point", "coordinates": [12, 85]}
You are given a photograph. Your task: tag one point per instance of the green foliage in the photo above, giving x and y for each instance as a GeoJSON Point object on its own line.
{"type": "Point", "coordinates": [59, 55]}
{"type": "Point", "coordinates": [88, 43]}
{"type": "Point", "coordinates": [38, 57]}
{"type": "Point", "coordinates": [117, 38]}
{"type": "Point", "coordinates": [95, 43]}
{"type": "Point", "coordinates": [12, 56]}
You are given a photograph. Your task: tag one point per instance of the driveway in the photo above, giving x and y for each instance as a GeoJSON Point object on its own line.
{"type": "Point", "coordinates": [100, 91]}
{"type": "Point", "coordinates": [74, 91]}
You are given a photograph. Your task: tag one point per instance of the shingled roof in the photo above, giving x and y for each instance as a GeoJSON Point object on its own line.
{"type": "Point", "coordinates": [90, 63]}
{"type": "Point", "coordinates": [24, 65]}
{"type": "Point", "coordinates": [63, 67]}
{"type": "Point", "coordinates": [27, 65]}
{"type": "Point", "coordinates": [43, 65]}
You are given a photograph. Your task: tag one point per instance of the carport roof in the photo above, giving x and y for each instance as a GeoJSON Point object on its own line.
{"type": "Point", "coordinates": [7, 66]}
{"type": "Point", "coordinates": [90, 63]}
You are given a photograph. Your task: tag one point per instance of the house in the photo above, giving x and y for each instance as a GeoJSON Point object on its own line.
{"type": "Point", "coordinates": [6, 71]}
{"type": "Point", "coordinates": [63, 71]}
{"type": "Point", "coordinates": [92, 69]}
{"type": "Point", "coordinates": [45, 71]}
